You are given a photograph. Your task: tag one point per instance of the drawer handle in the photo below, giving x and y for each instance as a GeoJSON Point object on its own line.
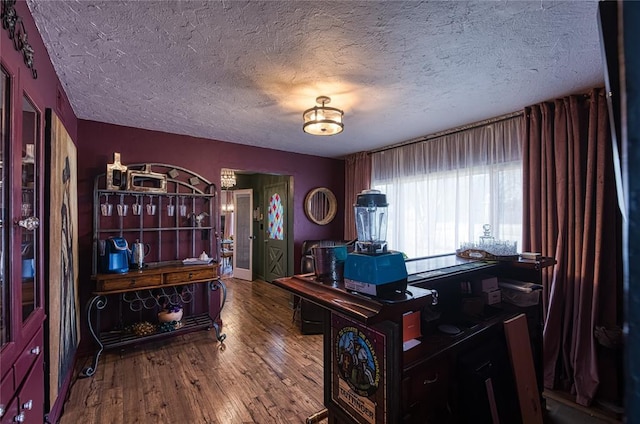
{"type": "Point", "coordinates": [28, 405]}
{"type": "Point", "coordinates": [132, 283]}
{"type": "Point", "coordinates": [19, 418]}
{"type": "Point", "coordinates": [431, 381]}
{"type": "Point", "coordinates": [35, 350]}
{"type": "Point", "coordinates": [190, 275]}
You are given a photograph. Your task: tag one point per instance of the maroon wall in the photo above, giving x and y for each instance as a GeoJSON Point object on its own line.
{"type": "Point", "coordinates": [98, 141]}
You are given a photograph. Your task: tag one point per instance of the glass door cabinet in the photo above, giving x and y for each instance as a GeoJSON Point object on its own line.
{"type": "Point", "coordinates": [21, 304]}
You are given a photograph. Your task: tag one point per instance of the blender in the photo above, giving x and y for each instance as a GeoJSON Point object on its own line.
{"type": "Point", "coordinates": [372, 269]}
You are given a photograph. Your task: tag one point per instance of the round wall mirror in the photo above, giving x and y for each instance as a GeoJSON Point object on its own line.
{"type": "Point", "coordinates": [320, 205]}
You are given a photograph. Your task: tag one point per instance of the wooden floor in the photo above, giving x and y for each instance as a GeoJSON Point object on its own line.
{"type": "Point", "coordinates": [267, 373]}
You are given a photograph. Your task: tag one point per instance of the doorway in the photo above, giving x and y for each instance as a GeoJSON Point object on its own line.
{"type": "Point", "coordinates": [276, 233]}
{"type": "Point", "coordinates": [269, 254]}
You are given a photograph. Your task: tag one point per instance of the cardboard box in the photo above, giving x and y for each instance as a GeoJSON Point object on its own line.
{"type": "Point", "coordinates": [410, 330]}
{"type": "Point", "coordinates": [411, 326]}
{"type": "Point", "coordinates": [492, 297]}
{"type": "Point", "coordinates": [487, 284]}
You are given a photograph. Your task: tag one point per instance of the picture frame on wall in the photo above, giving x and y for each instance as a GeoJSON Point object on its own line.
{"type": "Point", "coordinates": [62, 333]}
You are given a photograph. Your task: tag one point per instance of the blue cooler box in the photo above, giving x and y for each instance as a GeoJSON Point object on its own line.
{"type": "Point", "coordinates": [375, 275]}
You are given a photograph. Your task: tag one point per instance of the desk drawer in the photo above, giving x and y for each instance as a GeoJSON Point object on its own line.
{"type": "Point", "coordinates": [10, 412]}
{"type": "Point", "coordinates": [7, 389]}
{"type": "Point", "coordinates": [31, 395]}
{"type": "Point", "coordinates": [129, 282]}
{"type": "Point", "coordinates": [28, 356]}
{"type": "Point", "coordinates": [194, 275]}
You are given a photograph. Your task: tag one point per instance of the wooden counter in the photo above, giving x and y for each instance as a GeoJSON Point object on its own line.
{"type": "Point", "coordinates": [370, 377]}
{"type": "Point", "coordinates": [365, 309]}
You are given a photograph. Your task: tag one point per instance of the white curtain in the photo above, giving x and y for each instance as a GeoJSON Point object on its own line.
{"type": "Point", "coordinates": [443, 190]}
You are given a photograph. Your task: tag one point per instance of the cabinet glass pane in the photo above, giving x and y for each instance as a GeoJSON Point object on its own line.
{"type": "Point", "coordinates": [29, 206]}
{"type": "Point", "coordinates": [4, 140]}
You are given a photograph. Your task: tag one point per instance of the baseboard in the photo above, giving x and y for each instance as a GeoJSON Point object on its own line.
{"type": "Point", "coordinates": [595, 410]}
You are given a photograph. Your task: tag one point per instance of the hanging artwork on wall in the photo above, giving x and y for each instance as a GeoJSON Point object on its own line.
{"type": "Point", "coordinates": [61, 290]}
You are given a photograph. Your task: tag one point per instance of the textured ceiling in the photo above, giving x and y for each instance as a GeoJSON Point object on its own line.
{"type": "Point", "coordinates": [243, 71]}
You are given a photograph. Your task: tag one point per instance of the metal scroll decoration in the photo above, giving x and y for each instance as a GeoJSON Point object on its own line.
{"type": "Point", "coordinates": [17, 32]}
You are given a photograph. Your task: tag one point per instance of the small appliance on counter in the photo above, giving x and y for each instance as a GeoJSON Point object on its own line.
{"type": "Point", "coordinates": [138, 253]}
{"type": "Point", "coordinates": [113, 255]}
{"type": "Point", "coordinates": [372, 269]}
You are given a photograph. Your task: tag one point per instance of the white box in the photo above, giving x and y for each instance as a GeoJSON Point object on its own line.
{"type": "Point", "coordinates": [492, 297]}
{"type": "Point", "coordinates": [487, 284]}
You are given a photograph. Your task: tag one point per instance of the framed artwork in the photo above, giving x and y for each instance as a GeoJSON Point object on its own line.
{"type": "Point", "coordinates": [358, 375]}
{"type": "Point", "coordinates": [61, 287]}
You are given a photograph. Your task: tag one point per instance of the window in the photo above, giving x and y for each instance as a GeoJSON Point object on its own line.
{"type": "Point", "coordinates": [442, 191]}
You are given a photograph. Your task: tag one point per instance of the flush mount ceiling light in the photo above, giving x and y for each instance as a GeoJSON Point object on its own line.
{"type": "Point", "coordinates": [323, 120]}
{"type": "Point", "coordinates": [227, 178]}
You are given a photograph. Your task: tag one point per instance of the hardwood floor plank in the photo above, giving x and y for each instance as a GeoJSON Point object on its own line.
{"type": "Point", "coordinates": [267, 372]}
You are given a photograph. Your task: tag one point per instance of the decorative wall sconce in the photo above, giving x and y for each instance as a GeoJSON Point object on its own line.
{"type": "Point", "coordinates": [323, 120]}
{"type": "Point", "coordinates": [227, 178]}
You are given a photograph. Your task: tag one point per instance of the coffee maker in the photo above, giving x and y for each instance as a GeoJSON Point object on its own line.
{"type": "Point", "coordinates": [372, 269]}
{"type": "Point", "coordinates": [113, 255]}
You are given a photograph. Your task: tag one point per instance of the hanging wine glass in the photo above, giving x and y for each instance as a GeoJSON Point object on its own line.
{"type": "Point", "coordinates": [106, 208]}
{"type": "Point", "coordinates": [171, 209]}
{"type": "Point", "coordinates": [137, 207]}
{"type": "Point", "coordinates": [183, 207]}
{"type": "Point", "coordinates": [151, 208]}
{"type": "Point", "coordinates": [122, 207]}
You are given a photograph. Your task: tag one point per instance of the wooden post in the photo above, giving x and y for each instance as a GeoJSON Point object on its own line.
{"type": "Point", "coordinates": [519, 345]}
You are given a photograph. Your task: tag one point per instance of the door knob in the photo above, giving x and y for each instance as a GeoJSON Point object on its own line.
{"type": "Point", "coordinates": [29, 224]}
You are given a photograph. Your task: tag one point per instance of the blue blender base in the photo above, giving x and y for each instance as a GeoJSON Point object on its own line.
{"type": "Point", "coordinates": [376, 275]}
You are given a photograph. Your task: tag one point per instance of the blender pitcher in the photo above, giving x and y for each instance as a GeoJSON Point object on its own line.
{"type": "Point", "coordinates": [371, 222]}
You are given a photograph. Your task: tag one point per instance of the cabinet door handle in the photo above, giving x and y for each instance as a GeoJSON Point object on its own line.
{"type": "Point", "coordinates": [2, 410]}
{"type": "Point", "coordinates": [19, 418]}
{"type": "Point", "coordinates": [28, 405]}
{"type": "Point", "coordinates": [35, 350]}
{"type": "Point", "coordinates": [431, 380]}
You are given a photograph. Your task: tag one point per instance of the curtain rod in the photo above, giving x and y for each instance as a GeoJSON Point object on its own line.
{"type": "Point", "coordinates": [450, 131]}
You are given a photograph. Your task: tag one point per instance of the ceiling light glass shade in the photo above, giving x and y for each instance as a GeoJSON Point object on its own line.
{"type": "Point", "coordinates": [323, 120]}
{"type": "Point", "coordinates": [227, 178]}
